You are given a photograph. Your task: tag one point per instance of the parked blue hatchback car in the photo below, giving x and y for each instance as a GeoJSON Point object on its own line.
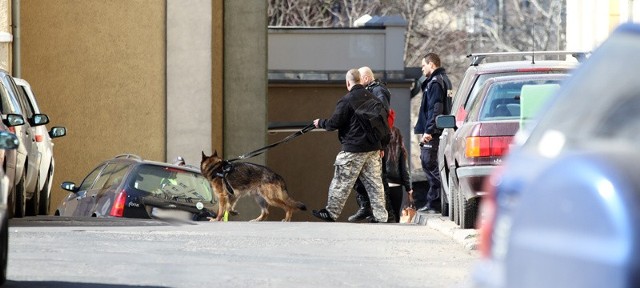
{"type": "Point", "coordinates": [564, 209]}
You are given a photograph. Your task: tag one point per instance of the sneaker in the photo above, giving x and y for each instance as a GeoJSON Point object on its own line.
{"type": "Point", "coordinates": [323, 214]}
{"type": "Point", "coordinates": [361, 214]}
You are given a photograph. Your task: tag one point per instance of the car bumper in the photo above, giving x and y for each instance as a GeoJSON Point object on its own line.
{"type": "Point", "coordinates": [471, 179]}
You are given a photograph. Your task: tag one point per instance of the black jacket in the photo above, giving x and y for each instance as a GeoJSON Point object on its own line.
{"type": "Point", "coordinates": [350, 133]}
{"type": "Point", "coordinates": [379, 89]}
{"type": "Point", "coordinates": [432, 103]}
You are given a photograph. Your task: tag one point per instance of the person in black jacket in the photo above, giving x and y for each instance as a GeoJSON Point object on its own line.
{"type": "Point", "coordinates": [433, 97]}
{"type": "Point", "coordinates": [397, 171]}
{"type": "Point", "coordinates": [378, 89]}
{"type": "Point", "coordinates": [359, 157]}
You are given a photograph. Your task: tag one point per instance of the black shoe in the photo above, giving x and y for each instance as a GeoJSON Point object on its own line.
{"type": "Point", "coordinates": [361, 214]}
{"type": "Point", "coordinates": [323, 214]}
{"type": "Point", "coordinates": [427, 208]}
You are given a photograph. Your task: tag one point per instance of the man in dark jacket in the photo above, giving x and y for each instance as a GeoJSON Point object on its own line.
{"type": "Point", "coordinates": [433, 97]}
{"type": "Point", "coordinates": [359, 158]}
{"type": "Point", "coordinates": [381, 92]}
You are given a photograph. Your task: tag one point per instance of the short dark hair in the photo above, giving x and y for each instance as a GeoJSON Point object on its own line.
{"type": "Point", "coordinates": [433, 58]}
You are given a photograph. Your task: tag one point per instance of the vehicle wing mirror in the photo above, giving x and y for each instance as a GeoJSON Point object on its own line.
{"type": "Point", "coordinates": [38, 119]}
{"type": "Point", "coordinates": [57, 131]}
{"type": "Point", "coordinates": [69, 186]}
{"type": "Point", "coordinates": [8, 140]}
{"type": "Point", "coordinates": [446, 121]}
{"type": "Point", "coordinates": [13, 120]}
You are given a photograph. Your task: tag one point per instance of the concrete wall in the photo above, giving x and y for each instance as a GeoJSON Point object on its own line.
{"type": "Point", "coordinates": [189, 69]}
{"type": "Point", "coordinates": [98, 68]}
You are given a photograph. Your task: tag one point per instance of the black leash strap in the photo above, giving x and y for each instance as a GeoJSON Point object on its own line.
{"type": "Point", "coordinates": [227, 165]}
{"type": "Point", "coordinates": [265, 148]}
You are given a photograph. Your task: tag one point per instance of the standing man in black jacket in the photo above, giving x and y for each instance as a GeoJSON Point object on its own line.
{"type": "Point", "coordinates": [433, 97]}
{"type": "Point", "coordinates": [381, 92]}
{"type": "Point", "coordinates": [359, 158]}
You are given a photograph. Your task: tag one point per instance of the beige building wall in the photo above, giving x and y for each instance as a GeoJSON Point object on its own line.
{"type": "Point", "coordinates": [98, 68]}
{"type": "Point", "coordinates": [6, 35]}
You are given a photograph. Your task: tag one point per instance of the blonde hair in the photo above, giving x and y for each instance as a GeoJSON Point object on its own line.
{"type": "Point", "coordinates": [353, 76]}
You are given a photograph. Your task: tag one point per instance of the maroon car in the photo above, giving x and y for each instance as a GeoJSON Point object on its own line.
{"type": "Point", "coordinates": [483, 137]}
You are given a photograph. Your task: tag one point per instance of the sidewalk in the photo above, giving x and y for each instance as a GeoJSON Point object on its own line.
{"type": "Point", "coordinates": [467, 237]}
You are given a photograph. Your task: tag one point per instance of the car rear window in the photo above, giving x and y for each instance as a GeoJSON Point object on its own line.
{"type": "Point", "coordinates": [482, 78]}
{"type": "Point", "coordinates": [502, 100]}
{"type": "Point", "coordinates": [171, 183]}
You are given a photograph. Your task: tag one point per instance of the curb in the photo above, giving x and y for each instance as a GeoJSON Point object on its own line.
{"type": "Point", "coordinates": [467, 237]}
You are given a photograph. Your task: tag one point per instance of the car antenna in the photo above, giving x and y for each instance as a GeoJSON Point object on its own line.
{"type": "Point", "coordinates": [533, 43]}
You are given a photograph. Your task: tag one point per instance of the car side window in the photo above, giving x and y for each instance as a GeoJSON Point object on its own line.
{"type": "Point", "coordinates": [17, 107]}
{"type": "Point", "coordinates": [117, 173]}
{"type": "Point", "coordinates": [30, 110]}
{"type": "Point", "coordinates": [91, 178]}
{"type": "Point", "coordinates": [22, 100]}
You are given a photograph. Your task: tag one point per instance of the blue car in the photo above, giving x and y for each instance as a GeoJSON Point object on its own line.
{"type": "Point", "coordinates": [564, 209]}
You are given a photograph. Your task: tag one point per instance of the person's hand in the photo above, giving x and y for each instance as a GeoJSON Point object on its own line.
{"type": "Point", "coordinates": [426, 138]}
{"type": "Point", "coordinates": [316, 122]}
{"type": "Point", "coordinates": [381, 153]}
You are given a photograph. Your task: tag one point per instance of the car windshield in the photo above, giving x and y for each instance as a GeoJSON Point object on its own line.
{"type": "Point", "coordinates": [172, 183]}
{"type": "Point", "coordinates": [503, 98]}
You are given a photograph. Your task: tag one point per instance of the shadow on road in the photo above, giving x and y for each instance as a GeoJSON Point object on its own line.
{"type": "Point", "coordinates": [56, 284]}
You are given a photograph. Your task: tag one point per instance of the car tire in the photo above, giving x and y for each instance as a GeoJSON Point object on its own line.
{"type": "Point", "coordinates": [4, 248]}
{"type": "Point", "coordinates": [444, 205]}
{"type": "Point", "coordinates": [33, 204]}
{"type": "Point", "coordinates": [45, 193]}
{"type": "Point", "coordinates": [452, 201]}
{"type": "Point", "coordinates": [456, 196]}
{"type": "Point", "coordinates": [468, 213]}
{"type": "Point", "coordinates": [21, 198]}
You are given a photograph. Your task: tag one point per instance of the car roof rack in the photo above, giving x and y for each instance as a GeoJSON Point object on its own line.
{"type": "Point", "coordinates": [477, 58]}
{"type": "Point", "coordinates": [127, 156]}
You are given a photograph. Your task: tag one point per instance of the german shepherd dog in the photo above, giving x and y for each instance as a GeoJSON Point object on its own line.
{"type": "Point", "coordinates": [266, 186]}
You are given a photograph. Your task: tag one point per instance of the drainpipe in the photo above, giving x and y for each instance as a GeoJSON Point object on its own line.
{"type": "Point", "coordinates": [15, 16]}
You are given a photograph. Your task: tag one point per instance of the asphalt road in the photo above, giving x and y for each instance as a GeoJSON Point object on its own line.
{"type": "Point", "coordinates": [67, 252]}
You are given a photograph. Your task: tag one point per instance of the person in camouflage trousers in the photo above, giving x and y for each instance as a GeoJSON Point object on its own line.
{"type": "Point", "coordinates": [360, 158]}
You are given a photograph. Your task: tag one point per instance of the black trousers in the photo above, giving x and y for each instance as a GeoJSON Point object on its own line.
{"type": "Point", "coordinates": [429, 161]}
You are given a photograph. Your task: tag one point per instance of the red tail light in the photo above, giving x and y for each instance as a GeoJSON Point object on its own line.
{"type": "Point", "coordinates": [39, 138]}
{"type": "Point", "coordinates": [487, 146]}
{"type": "Point", "coordinates": [12, 129]}
{"type": "Point", "coordinates": [117, 210]}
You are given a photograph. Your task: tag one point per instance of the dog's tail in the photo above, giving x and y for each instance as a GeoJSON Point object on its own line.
{"type": "Point", "coordinates": [297, 204]}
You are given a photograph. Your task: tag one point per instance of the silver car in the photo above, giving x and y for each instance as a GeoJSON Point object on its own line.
{"type": "Point", "coordinates": [46, 166]}
{"type": "Point", "coordinates": [22, 194]}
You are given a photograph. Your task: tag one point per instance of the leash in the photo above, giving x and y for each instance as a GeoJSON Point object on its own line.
{"type": "Point", "coordinates": [227, 165]}
{"type": "Point", "coordinates": [265, 148]}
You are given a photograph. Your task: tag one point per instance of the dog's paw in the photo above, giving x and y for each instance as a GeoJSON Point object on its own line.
{"type": "Point", "coordinates": [211, 219]}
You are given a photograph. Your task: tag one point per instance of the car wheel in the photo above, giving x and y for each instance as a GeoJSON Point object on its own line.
{"type": "Point", "coordinates": [4, 251]}
{"type": "Point", "coordinates": [21, 198]}
{"type": "Point", "coordinates": [468, 213]}
{"type": "Point", "coordinates": [44, 195]}
{"type": "Point", "coordinates": [33, 204]}
{"type": "Point", "coordinates": [444, 205]}
{"type": "Point", "coordinates": [452, 202]}
{"type": "Point", "coordinates": [456, 195]}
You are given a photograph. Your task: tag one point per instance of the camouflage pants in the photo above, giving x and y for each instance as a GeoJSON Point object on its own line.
{"type": "Point", "coordinates": [350, 166]}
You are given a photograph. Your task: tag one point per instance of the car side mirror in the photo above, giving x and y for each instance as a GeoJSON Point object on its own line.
{"type": "Point", "coordinates": [446, 121]}
{"type": "Point", "coordinates": [69, 186]}
{"type": "Point", "coordinates": [57, 131]}
{"type": "Point", "coordinates": [38, 119]}
{"type": "Point", "coordinates": [13, 120]}
{"type": "Point", "coordinates": [8, 140]}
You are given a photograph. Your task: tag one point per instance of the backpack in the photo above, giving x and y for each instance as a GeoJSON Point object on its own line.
{"type": "Point", "coordinates": [373, 117]}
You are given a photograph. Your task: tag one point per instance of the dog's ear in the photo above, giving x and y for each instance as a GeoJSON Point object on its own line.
{"type": "Point", "coordinates": [215, 153]}
{"type": "Point", "coordinates": [203, 156]}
